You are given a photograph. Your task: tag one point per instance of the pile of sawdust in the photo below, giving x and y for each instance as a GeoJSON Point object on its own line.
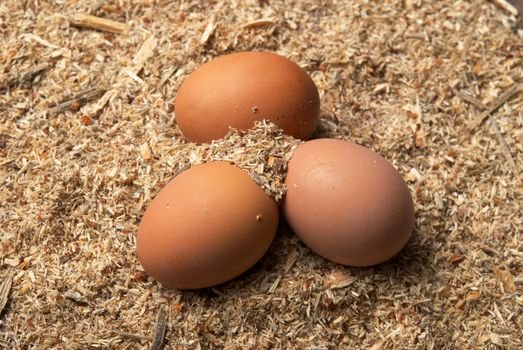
{"type": "Point", "coordinates": [264, 152]}
{"type": "Point", "coordinates": [88, 137]}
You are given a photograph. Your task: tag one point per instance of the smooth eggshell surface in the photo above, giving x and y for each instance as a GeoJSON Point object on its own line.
{"type": "Point", "coordinates": [347, 203]}
{"type": "Point", "coordinates": [238, 89]}
{"type": "Point", "coordinates": [208, 225]}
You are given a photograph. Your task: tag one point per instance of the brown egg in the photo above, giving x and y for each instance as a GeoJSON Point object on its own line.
{"type": "Point", "coordinates": [208, 225]}
{"type": "Point", "coordinates": [347, 203]}
{"type": "Point", "coordinates": [238, 89]}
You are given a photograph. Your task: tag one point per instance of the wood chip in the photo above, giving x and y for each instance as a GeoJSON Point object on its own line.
{"type": "Point", "coordinates": [506, 278]}
{"type": "Point", "coordinates": [338, 280]}
{"type": "Point", "coordinates": [144, 53]}
{"type": "Point", "coordinates": [208, 30]}
{"type": "Point", "coordinates": [133, 76]}
{"type": "Point", "coordinates": [160, 330]}
{"type": "Point", "coordinates": [456, 258]}
{"type": "Point", "coordinates": [76, 297]}
{"type": "Point", "coordinates": [84, 20]}
{"type": "Point", "coordinates": [100, 104]}
{"type": "Point", "coordinates": [414, 176]}
{"type": "Point", "coordinates": [475, 294]}
{"type": "Point", "coordinates": [14, 262]}
{"type": "Point", "coordinates": [264, 22]}
{"type": "Point", "coordinates": [98, 5]}
{"type": "Point", "coordinates": [145, 151]}
{"type": "Point", "coordinates": [5, 288]}
{"type": "Point", "coordinates": [495, 339]}
{"type": "Point", "coordinates": [212, 338]}
{"type": "Point", "coordinates": [78, 100]}
{"type": "Point", "coordinates": [381, 88]}
{"type": "Point", "coordinates": [505, 5]}
{"type": "Point", "coordinates": [274, 285]}
{"type": "Point", "coordinates": [167, 75]}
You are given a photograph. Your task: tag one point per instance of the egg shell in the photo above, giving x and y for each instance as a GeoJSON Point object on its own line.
{"type": "Point", "coordinates": [347, 203]}
{"type": "Point", "coordinates": [208, 225]}
{"type": "Point", "coordinates": [238, 89]}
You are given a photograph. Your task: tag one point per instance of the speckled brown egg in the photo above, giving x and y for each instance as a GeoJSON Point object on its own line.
{"type": "Point", "coordinates": [238, 89]}
{"type": "Point", "coordinates": [208, 225]}
{"type": "Point", "coordinates": [347, 203]}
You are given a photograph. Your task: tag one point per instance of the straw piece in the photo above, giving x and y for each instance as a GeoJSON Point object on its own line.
{"type": "Point", "coordinates": [159, 333]}
{"type": "Point", "coordinates": [84, 20]}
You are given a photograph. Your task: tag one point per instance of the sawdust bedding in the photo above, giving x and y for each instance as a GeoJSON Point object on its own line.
{"type": "Point", "coordinates": [88, 137]}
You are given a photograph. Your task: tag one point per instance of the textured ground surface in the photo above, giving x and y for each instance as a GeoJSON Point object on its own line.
{"type": "Point", "coordinates": [407, 79]}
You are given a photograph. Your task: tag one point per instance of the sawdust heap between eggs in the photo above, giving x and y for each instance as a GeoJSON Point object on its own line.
{"type": "Point", "coordinates": [262, 151]}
